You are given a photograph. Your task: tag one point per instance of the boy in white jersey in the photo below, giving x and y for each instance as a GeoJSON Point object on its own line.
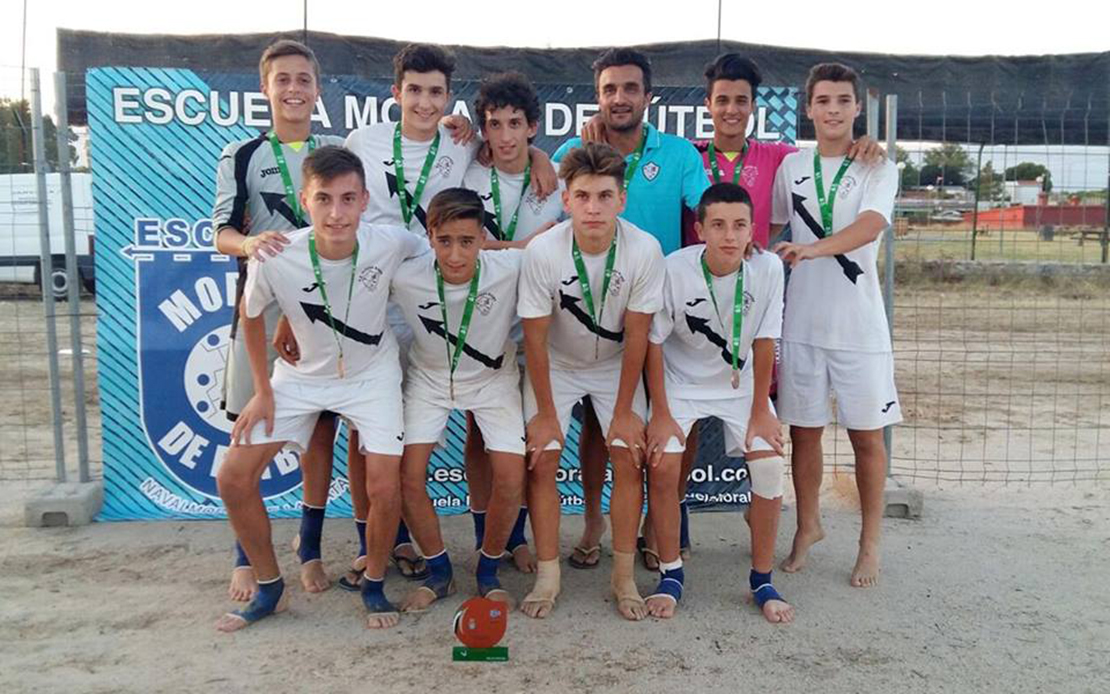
{"type": "Point", "coordinates": [835, 337]}
{"type": "Point", "coordinates": [460, 302]}
{"type": "Point", "coordinates": [331, 283]}
{"type": "Point", "coordinates": [406, 164]}
{"type": "Point", "coordinates": [712, 351]}
{"type": "Point", "coordinates": [254, 209]}
{"type": "Point", "coordinates": [588, 290]}
{"type": "Point", "coordinates": [508, 113]}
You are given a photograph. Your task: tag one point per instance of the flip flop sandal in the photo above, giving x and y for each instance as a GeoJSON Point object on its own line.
{"type": "Point", "coordinates": [402, 563]}
{"type": "Point", "coordinates": [584, 562]}
{"type": "Point", "coordinates": [647, 555]}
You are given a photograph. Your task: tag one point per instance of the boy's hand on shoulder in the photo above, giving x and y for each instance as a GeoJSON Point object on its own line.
{"type": "Point", "coordinates": [764, 424]}
{"type": "Point", "coordinates": [259, 409]}
{"type": "Point", "coordinates": [264, 243]}
{"type": "Point", "coordinates": [660, 430]}
{"type": "Point", "coordinates": [285, 342]}
{"type": "Point", "coordinates": [795, 253]}
{"type": "Point", "coordinates": [628, 428]}
{"type": "Point", "coordinates": [541, 430]}
{"type": "Point", "coordinates": [594, 129]}
{"type": "Point", "coordinates": [868, 151]}
{"type": "Point", "coordinates": [545, 180]}
{"type": "Point", "coordinates": [462, 130]}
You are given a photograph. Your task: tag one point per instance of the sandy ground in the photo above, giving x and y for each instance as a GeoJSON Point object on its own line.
{"type": "Point", "coordinates": [994, 589]}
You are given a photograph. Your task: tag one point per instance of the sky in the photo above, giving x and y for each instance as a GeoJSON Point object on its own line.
{"type": "Point", "coordinates": [935, 28]}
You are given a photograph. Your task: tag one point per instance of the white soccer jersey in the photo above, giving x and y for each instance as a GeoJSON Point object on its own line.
{"type": "Point", "coordinates": [697, 339]}
{"type": "Point", "coordinates": [834, 302]}
{"type": "Point", "coordinates": [288, 279]}
{"type": "Point", "coordinates": [549, 286]}
{"type": "Point", "coordinates": [534, 213]}
{"type": "Point", "coordinates": [488, 353]}
{"type": "Point", "coordinates": [374, 146]}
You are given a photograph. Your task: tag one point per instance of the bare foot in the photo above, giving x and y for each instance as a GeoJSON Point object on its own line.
{"type": "Point", "coordinates": [632, 609]}
{"type": "Point", "coordinates": [313, 577]}
{"type": "Point", "coordinates": [803, 540]}
{"type": "Point", "coordinates": [661, 606]}
{"type": "Point", "coordinates": [778, 612]}
{"type": "Point", "coordinates": [537, 607]}
{"type": "Point", "coordinates": [422, 597]}
{"type": "Point", "coordinates": [243, 586]}
{"type": "Point", "coordinates": [523, 560]}
{"type": "Point", "coordinates": [382, 620]}
{"type": "Point", "coordinates": [866, 572]}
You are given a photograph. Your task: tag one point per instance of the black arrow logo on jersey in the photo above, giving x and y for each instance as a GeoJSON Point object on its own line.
{"type": "Point", "coordinates": [316, 312]}
{"type": "Point", "coordinates": [276, 204]}
{"type": "Point", "coordinates": [695, 302]}
{"type": "Point", "coordinates": [701, 326]}
{"type": "Point", "coordinates": [851, 269]}
{"type": "Point", "coordinates": [570, 303]}
{"type": "Point", "coordinates": [391, 183]}
{"type": "Point", "coordinates": [491, 225]}
{"type": "Point", "coordinates": [435, 327]}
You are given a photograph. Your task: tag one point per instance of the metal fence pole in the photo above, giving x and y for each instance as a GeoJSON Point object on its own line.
{"type": "Point", "coordinates": [873, 114]}
{"type": "Point", "coordinates": [47, 271]}
{"type": "Point", "coordinates": [888, 255]}
{"type": "Point", "coordinates": [62, 121]}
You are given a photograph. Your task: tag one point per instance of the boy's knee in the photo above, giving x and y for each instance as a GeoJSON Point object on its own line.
{"type": "Point", "coordinates": [545, 467]}
{"type": "Point", "coordinates": [383, 489]}
{"type": "Point", "coordinates": [663, 478]}
{"type": "Point", "coordinates": [232, 481]}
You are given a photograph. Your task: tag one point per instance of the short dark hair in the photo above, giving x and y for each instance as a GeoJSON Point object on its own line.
{"type": "Point", "coordinates": [592, 158]}
{"type": "Point", "coordinates": [423, 57]}
{"type": "Point", "coordinates": [722, 192]}
{"type": "Point", "coordinates": [832, 72]}
{"type": "Point", "coordinates": [330, 162]}
{"type": "Point", "coordinates": [623, 56]}
{"type": "Point", "coordinates": [284, 47]}
{"type": "Point", "coordinates": [451, 204]}
{"type": "Point", "coordinates": [732, 66]}
{"type": "Point", "coordinates": [507, 89]}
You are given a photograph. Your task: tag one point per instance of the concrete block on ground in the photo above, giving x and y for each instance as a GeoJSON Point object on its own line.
{"type": "Point", "coordinates": [68, 503]}
{"type": "Point", "coordinates": [902, 501]}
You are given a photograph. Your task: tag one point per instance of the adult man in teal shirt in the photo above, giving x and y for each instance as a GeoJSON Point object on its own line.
{"type": "Point", "coordinates": [664, 174]}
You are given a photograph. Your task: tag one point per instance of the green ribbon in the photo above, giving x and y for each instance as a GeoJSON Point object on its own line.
{"type": "Point", "coordinates": [286, 178]}
{"type": "Point", "coordinates": [464, 325]}
{"type": "Point", "coordinates": [324, 293]}
{"type": "Point", "coordinates": [410, 203]}
{"type": "Point", "coordinates": [507, 232]}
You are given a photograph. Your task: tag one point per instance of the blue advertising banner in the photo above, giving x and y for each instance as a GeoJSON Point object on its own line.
{"type": "Point", "coordinates": [165, 296]}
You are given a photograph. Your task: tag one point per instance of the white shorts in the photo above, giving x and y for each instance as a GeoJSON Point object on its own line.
{"type": "Point", "coordinates": [372, 404]}
{"type": "Point", "coordinates": [569, 387]}
{"type": "Point", "coordinates": [238, 387]}
{"type": "Point", "coordinates": [733, 413]}
{"type": "Point", "coordinates": [863, 382]}
{"type": "Point", "coordinates": [496, 407]}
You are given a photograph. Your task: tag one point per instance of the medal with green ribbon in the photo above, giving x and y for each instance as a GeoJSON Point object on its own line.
{"type": "Point", "coordinates": [324, 295]}
{"type": "Point", "coordinates": [737, 314]}
{"type": "Point", "coordinates": [464, 324]}
{"type": "Point", "coordinates": [736, 171]}
{"type": "Point", "coordinates": [409, 203]}
{"type": "Point", "coordinates": [507, 232]}
{"type": "Point", "coordinates": [634, 163]}
{"type": "Point", "coordinates": [826, 204]}
{"type": "Point", "coordinates": [286, 178]}
{"type": "Point", "coordinates": [584, 282]}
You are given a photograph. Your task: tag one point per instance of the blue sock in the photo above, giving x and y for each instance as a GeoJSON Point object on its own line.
{"type": "Point", "coordinates": [440, 574]}
{"type": "Point", "coordinates": [684, 526]}
{"type": "Point", "coordinates": [360, 527]}
{"type": "Point", "coordinates": [312, 527]}
{"type": "Point", "coordinates": [403, 537]}
{"type": "Point", "coordinates": [487, 573]}
{"type": "Point", "coordinates": [671, 581]}
{"type": "Point", "coordinates": [762, 590]}
{"type": "Point", "coordinates": [373, 595]}
{"type": "Point", "coordinates": [516, 537]}
{"type": "Point", "coordinates": [240, 556]}
{"type": "Point", "coordinates": [265, 601]}
{"type": "Point", "coordinates": [479, 518]}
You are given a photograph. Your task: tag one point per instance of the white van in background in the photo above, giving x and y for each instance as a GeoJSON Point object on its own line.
{"type": "Point", "coordinates": [19, 230]}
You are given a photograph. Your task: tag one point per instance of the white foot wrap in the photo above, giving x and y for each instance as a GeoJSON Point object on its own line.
{"type": "Point", "coordinates": [622, 580]}
{"type": "Point", "coordinates": [546, 587]}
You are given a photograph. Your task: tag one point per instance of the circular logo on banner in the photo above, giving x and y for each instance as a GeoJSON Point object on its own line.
{"type": "Point", "coordinates": [204, 376]}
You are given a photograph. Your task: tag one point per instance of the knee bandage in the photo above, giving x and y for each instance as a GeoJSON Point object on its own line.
{"type": "Point", "coordinates": [766, 476]}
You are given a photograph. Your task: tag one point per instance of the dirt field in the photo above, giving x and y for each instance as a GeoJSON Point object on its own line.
{"type": "Point", "coordinates": [993, 590]}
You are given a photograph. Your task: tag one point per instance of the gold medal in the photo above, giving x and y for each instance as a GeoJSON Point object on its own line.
{"type": "Point", "coordinates": [735, 379]}
{"type": "Point", "coordinates": [452, 388]}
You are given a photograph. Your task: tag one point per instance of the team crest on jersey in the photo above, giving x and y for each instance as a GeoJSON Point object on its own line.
{"type": "Point", "coordinates": [749, 175]}
{"type": "Point", "coordinates": [484, 303]}
{"type": "Point", "coordinates": [534, 203]}
{"type": "Point", "coordinates": [184, 303]}
{"type": "Point", "coordinates": [443, 166]}
{"type": "Point", "coordinates": [615, 283]}
{"type": "Point", "coordinates": [846, 185]}
{"type": "Point", "coordinates": [369, 277]}
{"type": "Point", "coordinates": [651, 170]}
{"type": "Point", "coordinates": [748, 301]}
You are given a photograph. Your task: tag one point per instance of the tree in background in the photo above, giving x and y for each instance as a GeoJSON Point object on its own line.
{"type": "Point", "coordinates": [948, 165]}
{"type": "Point", "coordinates": [16, 153]}
{"type": "Point", "coordinates": [911, 175]}
{"type": "Point", "coordinates": [1028, 171]}
{"type": "Point", "coordinates": [988, 182]}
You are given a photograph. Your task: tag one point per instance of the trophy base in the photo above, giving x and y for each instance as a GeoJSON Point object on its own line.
{"type": "Point", "coordinates": [497, 654]}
